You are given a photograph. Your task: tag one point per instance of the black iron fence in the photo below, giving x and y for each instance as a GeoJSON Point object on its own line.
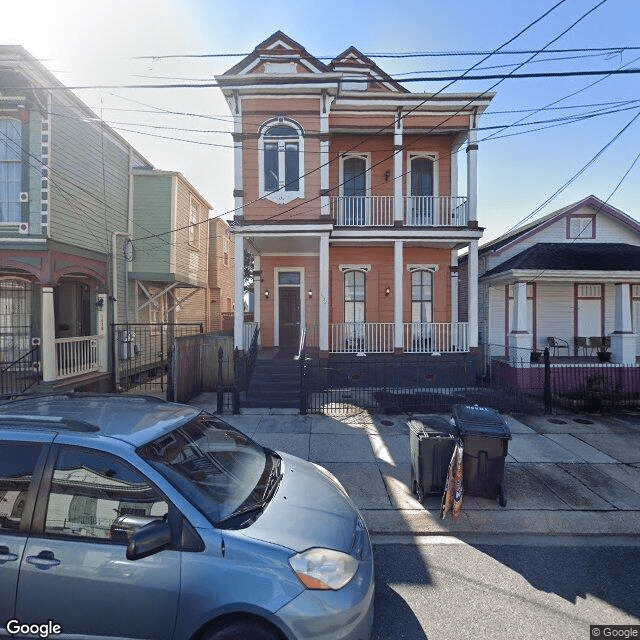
{"type": "Point", "coordinates": [584, 384]}
{"type": "Point", "coordinates": [20, 375]}
{"type": "Point", "coordinates": [417, 383]}
{"type": "Point", "coordinates": [141, 353]}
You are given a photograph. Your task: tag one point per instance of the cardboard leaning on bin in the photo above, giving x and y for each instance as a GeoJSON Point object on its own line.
{"type": "Point", "coordinates": [485, 436]}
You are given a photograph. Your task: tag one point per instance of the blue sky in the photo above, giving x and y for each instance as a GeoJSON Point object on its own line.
{"type": "Point", "coordinates": [95, 42]}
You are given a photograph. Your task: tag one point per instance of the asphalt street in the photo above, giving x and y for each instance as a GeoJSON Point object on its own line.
{"type": "Point", "coordinates": [505, 589]}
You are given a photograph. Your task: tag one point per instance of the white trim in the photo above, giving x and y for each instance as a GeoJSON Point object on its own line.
{"type": "Point", "coordinates": [354, 267]}
{"type": "Point", "coordinates": [281, 196]}
{"type": "Point", "coordinates": [276, 300]}
{"type": "Point", "coordinates": [174, 224]}
{"type": "Point", "coordinates": [366, 156]}
{"type": "Point", "coordinates": [286, 255]}
{"type": "Point", "coordinates": [423, 267]}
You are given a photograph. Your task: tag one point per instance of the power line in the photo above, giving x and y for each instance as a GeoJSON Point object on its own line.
{"type": "Point", "coordinates": [320, 80]}
{"type": "Point", "coordinates": [575, 175]}
{"type": "Point", "coordinates": [405, 54]}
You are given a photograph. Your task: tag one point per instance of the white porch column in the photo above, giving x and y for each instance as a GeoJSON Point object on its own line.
{"type": "Point", "coordinates": [472, 294]}
{"type": "Point", "coordinates": [257, 290]}
{"type": "Point", "coordinates": [47, 345]}
{"type": "Point", "coordinates": [325, 104]}
{"type": "Point", "coordinates": [323, 302]}
{"type": "Point", "coordinates": [623, 339]}
{"type": "Point", "coordinates": [238, 184]}
{"type": "Point", "coordinates": [454, 286]}
{"type": "Point", "coordinates": [398, 263]}
{"type": "Point", "coordinates": [398, 179]}
{"type": "Point", "coordinates": [520, 340]}
{"type": "Point", "coordinates": [472, 172]}
{"type": "Point", "coordinates": [103, 347]}
{"type": "Point", "coordinates": [238, 315]}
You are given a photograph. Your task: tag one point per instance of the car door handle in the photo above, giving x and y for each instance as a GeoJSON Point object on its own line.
{"type": "Point", "coordinates": [44, 559]}
{"type": "Point", "coordinates": [6, 555]}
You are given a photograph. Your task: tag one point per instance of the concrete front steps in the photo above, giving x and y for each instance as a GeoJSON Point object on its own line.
{"type": "Point", "coordinates": [274, 383]}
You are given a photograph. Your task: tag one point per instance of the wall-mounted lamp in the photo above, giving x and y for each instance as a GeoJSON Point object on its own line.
{"type": "Point", "coordinates": [99, 303]}
{"type": "Point", "coordinates": [266, 293]}
{"type": "Point", "coordinates": [387, 175]}
{"type": "Point", "coordinates": [310, 293]}
{"type": "Point", "coordinates": [387, 291]}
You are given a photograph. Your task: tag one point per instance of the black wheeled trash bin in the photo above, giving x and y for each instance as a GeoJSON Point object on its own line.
{"type": "Point", "coordinates": [485, 437]}
{"type": "Point", "coordinates": [432, 439]}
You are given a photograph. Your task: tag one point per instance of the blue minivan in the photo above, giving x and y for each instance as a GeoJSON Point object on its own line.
{"type": "Point", "coordinates": [132, 517]}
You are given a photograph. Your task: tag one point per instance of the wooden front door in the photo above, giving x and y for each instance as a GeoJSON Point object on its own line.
{"type": "Point", "coordinates": [289, 316]}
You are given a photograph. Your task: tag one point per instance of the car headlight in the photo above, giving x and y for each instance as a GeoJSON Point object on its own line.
{"type": "Point", "coordinates": [324, 568]}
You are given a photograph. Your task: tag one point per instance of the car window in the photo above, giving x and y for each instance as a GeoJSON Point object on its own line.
{"type": "Point", "coordinates": [212, 464]}
{"type": "Point", "coordinates": [95, 495]}
{"type": "Point", "coordinates": [17, 463]}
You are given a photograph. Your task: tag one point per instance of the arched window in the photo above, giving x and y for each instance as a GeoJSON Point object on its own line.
{"type": "Point", "coordinates": [10, 169]}
{"type": "Point", "coordinates": [281, 158]}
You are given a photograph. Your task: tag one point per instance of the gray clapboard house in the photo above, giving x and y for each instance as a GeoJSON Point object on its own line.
{"type": "Point", "coordinates": [67, 214]}
{"type": "Point", "coordinates": [569, 280]}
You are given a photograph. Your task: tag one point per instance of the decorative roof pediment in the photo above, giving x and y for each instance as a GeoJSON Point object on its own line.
{"type": "Point", "coordinates": [355, 63]}
{"type": "Point", "coordinates": [278, 54]}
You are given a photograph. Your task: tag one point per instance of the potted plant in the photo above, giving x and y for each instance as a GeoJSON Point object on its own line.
{"type": "Point", "coordinates": [602, 350]}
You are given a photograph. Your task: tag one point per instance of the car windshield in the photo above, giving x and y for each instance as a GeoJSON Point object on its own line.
{"type": "Point", "coordinates": [217, 468]}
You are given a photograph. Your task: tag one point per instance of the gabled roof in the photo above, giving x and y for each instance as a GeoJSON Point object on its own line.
{"type": "Point", "coordinates": [354, 60]}
{"type": "Point", "coordinates": [532, 228]}
{"type": "Point", "coordinates": [571, 256]}
{"type": "Point", "coordinates": [279, 47]}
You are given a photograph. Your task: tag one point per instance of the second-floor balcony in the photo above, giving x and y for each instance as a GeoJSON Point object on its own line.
{"type": "Point", "coordinates": [418, 211]}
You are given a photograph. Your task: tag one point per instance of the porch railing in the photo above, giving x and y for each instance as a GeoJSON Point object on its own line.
{"type": "Point", "coordinates": [435, 211]}
{"type": "Point", "coordinates": [361, 337]}
{"type": "Point", "coordinates": [362, 211]}
{"type": "Point", "coordinates": [247, 333]}
{"type": "Point", "coordinates": [75, 356]}
{"type": "Point", "coordinates": [441, 337]}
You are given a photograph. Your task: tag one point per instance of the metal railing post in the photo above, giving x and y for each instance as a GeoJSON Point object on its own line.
{"type": "Point", "coordinates": [303, 393]}
{"type": "Point", "coordinates": [220, 398]}
{"type": "Point", "coordinates": [547, 381]}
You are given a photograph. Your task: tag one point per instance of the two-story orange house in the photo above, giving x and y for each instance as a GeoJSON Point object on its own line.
{"type": "Point", "coordinates": [346, 192]}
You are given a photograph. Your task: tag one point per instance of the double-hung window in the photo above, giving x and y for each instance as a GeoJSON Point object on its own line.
{"type": "Point", "coordinates": [10, 169]}
{"type": "Point", "coordinates": [281, 155]}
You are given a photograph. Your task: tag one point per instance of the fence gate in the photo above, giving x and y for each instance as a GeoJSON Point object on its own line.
{"type": "Point", "coordinates": [141, 353]}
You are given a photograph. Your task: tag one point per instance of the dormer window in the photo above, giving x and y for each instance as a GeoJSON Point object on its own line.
{"type": "Point", "coordinates": [281, 158]}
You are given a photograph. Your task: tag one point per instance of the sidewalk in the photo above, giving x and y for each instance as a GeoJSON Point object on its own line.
{"type": "Point", "coordinates": [563, 474]}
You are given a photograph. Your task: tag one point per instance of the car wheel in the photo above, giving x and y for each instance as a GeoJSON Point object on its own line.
{"type": "Point", "coordinates": [241, 630]}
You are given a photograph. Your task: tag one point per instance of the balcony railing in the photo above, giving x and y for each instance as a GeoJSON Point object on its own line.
{"type": "Point", "coordinates": [438, 337]}
{"type": "Point", "coordinates": [75, 356]}
{"type": "Point", "coordinates": [435, 211]}
{"type": "Point", "coordinates": [361, 337]}
{"type": "Point", "coordinates": [362, 211]}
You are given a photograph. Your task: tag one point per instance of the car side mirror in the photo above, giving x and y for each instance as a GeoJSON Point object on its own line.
{"type": "Point", "coordinates": [147, 540]}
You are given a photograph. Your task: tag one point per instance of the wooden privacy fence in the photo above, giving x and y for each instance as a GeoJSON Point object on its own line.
{"type": "Point", "coordinates": [196, 366]}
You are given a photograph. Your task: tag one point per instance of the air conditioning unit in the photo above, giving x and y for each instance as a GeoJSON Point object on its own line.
{"type": "Point", "coordinates": [24, 196]}
{"type": "Point", "coordinates": [23, 227]}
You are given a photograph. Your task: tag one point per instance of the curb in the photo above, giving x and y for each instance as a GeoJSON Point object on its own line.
{"type": "Point", "coordinates": [416, 522]}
